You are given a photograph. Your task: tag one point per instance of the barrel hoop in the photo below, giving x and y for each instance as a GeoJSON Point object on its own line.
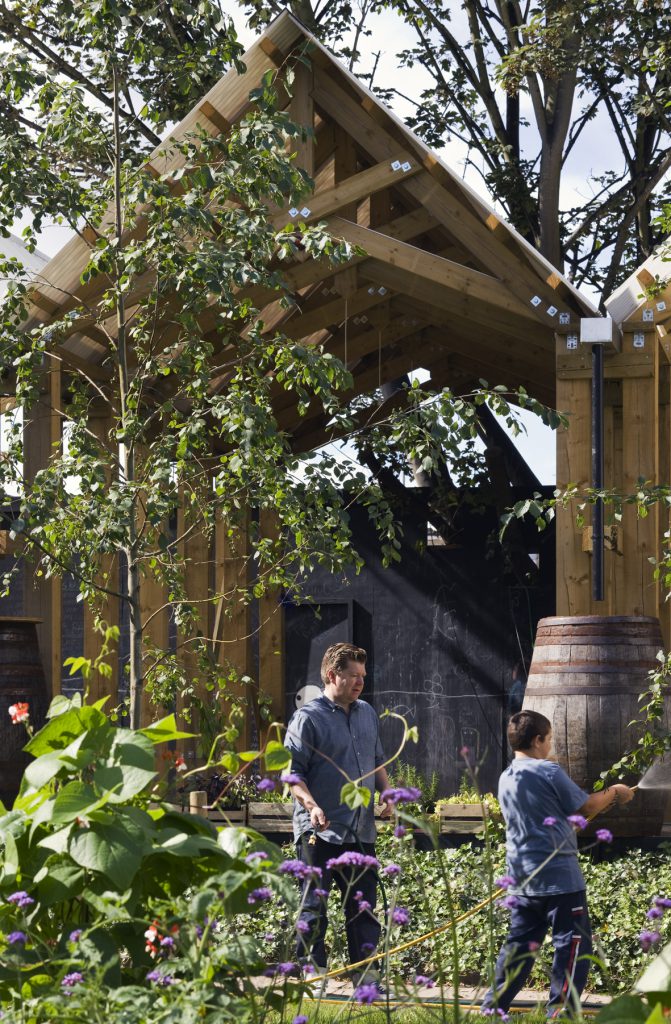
{"type": "Point", "coordinates": [579, 691]}
{"type": "Point", "coordinates": [564, 640]}
{"type": "Point", "coordinates": [586, 668]}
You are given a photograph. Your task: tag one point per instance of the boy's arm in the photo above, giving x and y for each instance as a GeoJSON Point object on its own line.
{"type": "Point", "coordinates": [610, 797]}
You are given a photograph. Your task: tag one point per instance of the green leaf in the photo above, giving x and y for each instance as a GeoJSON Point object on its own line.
{"type": "Point", "coordinates": [165, 730]}
{"type": "Point", "coordinates": [624, 1010]}
{"type": "Point", "coordinates": [59, 732]}
{"type": "Point", "coordinates": [276, 756]}
{"type": "Point", "coordinates": [59, 879]}
{"type": "Point", "coordinates": [655, 982]}
{"type": "Point", "coordinates": [110, 850]}
{"type": "Point", "coordinates": [354, 796]}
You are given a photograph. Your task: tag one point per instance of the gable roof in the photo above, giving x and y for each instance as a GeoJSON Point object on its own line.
{"type": "Point", "coordinates": [447, 285]}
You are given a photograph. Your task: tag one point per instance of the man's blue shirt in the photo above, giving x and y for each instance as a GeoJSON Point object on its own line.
{"type": "Point", "coordinates": [329, 748]}
{"type": "Point", "coordinates": [543, 859]}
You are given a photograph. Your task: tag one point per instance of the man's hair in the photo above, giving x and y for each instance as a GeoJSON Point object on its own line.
{"type": "Point", "coordinates": [338, 656]}
{"type": "Point", "coordinates": [523, 726]}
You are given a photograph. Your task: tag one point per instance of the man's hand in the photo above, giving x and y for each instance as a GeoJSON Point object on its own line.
{"type": "Point", "coordinates": [386, 808]}
{"type": "Point", "coordinates": [318, 819]}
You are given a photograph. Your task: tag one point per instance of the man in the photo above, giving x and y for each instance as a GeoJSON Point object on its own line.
{"type": "Point", "coordinates": [335, 739]}
{"type": "Point", "coordinates": [542, 808]}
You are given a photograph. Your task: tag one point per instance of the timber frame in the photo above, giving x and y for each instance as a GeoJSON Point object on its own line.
{"type": "Point", "coordinates": [446, 286]}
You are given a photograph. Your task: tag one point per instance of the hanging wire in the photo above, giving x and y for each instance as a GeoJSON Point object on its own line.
{"type": "Point", "coordinates": [346, 332]}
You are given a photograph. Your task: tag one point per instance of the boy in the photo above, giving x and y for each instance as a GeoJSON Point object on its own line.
{"type": "Point", "coordinates": [537, 797]}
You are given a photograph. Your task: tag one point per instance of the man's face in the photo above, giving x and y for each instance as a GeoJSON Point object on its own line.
{"type": "Point", "coordinates": [347, 685]}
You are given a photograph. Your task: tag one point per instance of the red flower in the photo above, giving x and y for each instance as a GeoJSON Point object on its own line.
{"type": "Point", "coordinates": [180, 764]}
{"type": "Point", "coordinates": [19, 712]}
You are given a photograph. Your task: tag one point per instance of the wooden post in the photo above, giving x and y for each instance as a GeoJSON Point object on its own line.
{"type": "Point", "coordinates": [108, 605]}
{"type": "Point", "coordinates": [232, 631]}
{"type": "Point", "coordinates": [42, 596]}
{"type": "Point", "coordinates": [271, 636]}
{"type": "Point", "coordinates": [302, 113]}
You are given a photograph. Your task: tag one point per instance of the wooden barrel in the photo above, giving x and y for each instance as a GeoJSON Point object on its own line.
{"type": "Point", "coordinates": [21, 680]}
{"type": "Point", "coordinates": [586, 675]}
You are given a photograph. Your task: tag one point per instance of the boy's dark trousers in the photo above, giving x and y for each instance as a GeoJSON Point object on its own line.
{"type": "Point", "coordinates": [362, 926]}
{"type": "Point", "coordinates": [567, 916]}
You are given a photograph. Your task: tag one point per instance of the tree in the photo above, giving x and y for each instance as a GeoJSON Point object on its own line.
{"type": "Point", "coordinates": [523, 86]}
{"type": "Point", "coordinates": [175, 366]}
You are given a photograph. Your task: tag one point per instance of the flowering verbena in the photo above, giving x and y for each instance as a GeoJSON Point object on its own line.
{"type": "Point", "coordinates": [549, 820]}
{"type": "Point", "coordinates": [647, 938]}
{"type": "Point", "coordinates": [400, 831]}
{"type": "Point", "coordinates": [156, 942]}
{"type": "Point", "coordinates": [260, 895]}
{"type": "Point", "coordinates": [577, 821]}
{"type": "Point", "coordinates": [20, 899]}
{"type": "Point", "coordinates": [489, 1011]}
{"type": "Point", "coordinates": [392, 870]}
{"type": "Point", "coordinates": [505, 882]}
{"type": "Point", "coordinates": [300, 1019]}
{"type": "Point", "coordinates": [401, 795]}
{"type": "Point", "coordinates": [265, 785]}
{"type": "Point", "coordinates": [19, 712]}
{"type": "Point", "coordinates": [75, 935]}
{"type": "Point", "coordinates": [303, 927]}
{"type": "Point", "coordinates": [424, 981]}
{"type": "Point", "coordinates": [17, 938]}
{"type": "Point", "coordinates": [70, 980]}
{"type": "Point", "coordinates": [508, 901]}
{"type": "Point", "coordinates": [158, 978]}
{"type": "Point", "coordinates": [290, 778]}
{"type": "Point", "coordinates": [353, 859]}
{"type": "Point", "coordinates": [257, 855]}
{"type": "Point", "coordinates": [366, 993]}
{"type": "Point", "coordinates": [400, 915]}
{"type": "Point", "coordinates": [604, 835]}
{"type": "Point", "coordinates": [363, 904]}
{"type": "Point", "coordinates": [299, 870]}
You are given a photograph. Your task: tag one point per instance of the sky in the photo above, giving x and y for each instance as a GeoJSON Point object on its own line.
{"type": "Point", "coordinates": [388, 36]}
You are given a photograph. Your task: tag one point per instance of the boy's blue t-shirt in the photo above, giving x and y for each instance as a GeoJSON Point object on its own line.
{"type": "Point", "coordinates": [531, 790]}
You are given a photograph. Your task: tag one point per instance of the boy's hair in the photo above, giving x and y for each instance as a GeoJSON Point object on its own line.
{"type": "Point", "coordinates": [337, 657]}
{"type": "Point", "coordinates": [523, 726]}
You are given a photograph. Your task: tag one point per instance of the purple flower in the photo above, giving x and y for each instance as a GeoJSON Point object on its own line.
{"type": "Point", "coordinates": [269, 937]}
{"type": "Point", "coordinates": [286, 968]}
{"type": "Point", "coordinates": [75, 935]}
{"type": "Point", "coordinates": [401, 795]}
{"type": "Point", "coordinates": [487, 1011]}
{"type": "Point", "coordinates": [298, 869]}
{"type": "Point", "coordinates": [354, 859]}
{"type": "Point", "coordinates": [366, 993]}
{"type": "Point", "coordinates": [505, 882]}
{"type": "Point", "coordinates": [508, 902]}
{"type": "Point", "coordinates": [577, 821]}
{"type": "Point", "coordinates": [290, 778]}
{"type": "Point", "coordinates": [604, 835]}
{"type": "Point", "coordinates": [392, 870]}
{"type": "Point", "coordinates": [300, 1018]}
{"type": "Point", "coordinates": [167, 942]}
{"type": "Point", "coordinates": [400, 915]}
{"type": "Point", "coordinates": [256, 855]}
{"type": "Point", "coordinates": [367, 947]}
{"type": "Point", "coordinates": [502, 1014]}
{"type": "Point", "coordinates": [260, 895]}
{"type": "Point", "coordinates": [662, 901]}
{"type": "Point", "coordinates": [322, 893]}
{"type": "Point", "coordinates": [20, 899]}
{"type": "Point", "coordinates": [17, 938]}
{"type": "Point", "coordinates": [265, 785]}
{"type": "Point", "coordinates": [399, 831]}
{"type": "Point", "coordinates": [550, 820]}
{"type": "Point", "coordinates": [70, 980]}
{"type": "Point", "coordinates": [654, 913]}
{"type": "Point", "coordinates": [648, 939]}
{"type": "Point", "coordinates": [158, 978]}
{"type": "Point", "coordinates": [424, 981]}
{"type": "Point", "coordinates": [303, 927]}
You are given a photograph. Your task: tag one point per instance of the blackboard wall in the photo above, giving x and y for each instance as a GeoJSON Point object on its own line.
{"type": "Point", "coordinates": [449, 633]}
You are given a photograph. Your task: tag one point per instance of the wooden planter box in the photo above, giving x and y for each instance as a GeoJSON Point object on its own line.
{"type": "Point", "coordinates": [230, 816]}
{"type": "Point", "coordinates": [461, 819]}
{"type": "Point", "coordinates": [270, 816]}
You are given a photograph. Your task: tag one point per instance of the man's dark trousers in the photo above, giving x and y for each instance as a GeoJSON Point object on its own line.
{"type": "Point", "coordinates": [567, 916]}
{"type": "Point", "coordinates": [362, 926]}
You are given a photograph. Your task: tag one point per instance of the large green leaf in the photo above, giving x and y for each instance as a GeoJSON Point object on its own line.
{"type": "Point", "coordinates": [111, 851]}
{"type": "Point", "coordinates": [165, 730]}
{"type": "Point", "coordinates": [75, 756]}
{"type": "Point", "coordinates": [625, 1010]}
{"type": "Point", "coordinates": [276, 756]}
{"type": "Point", "coordinates": [57, 841]}
{"type": "Point", "coordinates": [59, 879]}
{"type": "Point", "coordinates": [179, 844]}
{"type": "Point", "coordinates": [655, 982]}
{"type": "Point", "coordinates": [129, 769]}
{"type": "Point", "coordinates": [59, 732]}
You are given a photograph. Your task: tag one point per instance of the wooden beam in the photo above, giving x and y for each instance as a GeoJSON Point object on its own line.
{"type": "Point", "coordinates": [352, 189]}
{"type": "Point", "coordinates": [481, 287]}
{"type": "Point", "coordinates": [302, 113]}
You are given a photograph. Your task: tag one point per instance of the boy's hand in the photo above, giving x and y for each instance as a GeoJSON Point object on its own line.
{"type": "Point", "coordinates": [623, 794]}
